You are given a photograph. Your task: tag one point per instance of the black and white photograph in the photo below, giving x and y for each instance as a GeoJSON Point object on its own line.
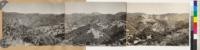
{"type": "Point", "coordinates": [95, 24]}
{"type": "Point", "coordinates": [32, 24]}
{"type": "Point", "coordinates": [157, 24]}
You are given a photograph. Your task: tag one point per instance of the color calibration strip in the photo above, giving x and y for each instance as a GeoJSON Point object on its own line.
{"type": "Point", "coordinates": [195, 19]}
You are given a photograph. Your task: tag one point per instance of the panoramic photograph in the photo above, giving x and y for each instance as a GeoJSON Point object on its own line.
{"type": "Point", "coordinates": [95, 24]}
{"type": "Point", "coordinates": [157, 24]}
{"type": "Point", "coordinates": [32, 24]}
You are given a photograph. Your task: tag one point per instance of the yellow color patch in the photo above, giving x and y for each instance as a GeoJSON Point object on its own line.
{"type": "Point", "coordinates": [195, 19]}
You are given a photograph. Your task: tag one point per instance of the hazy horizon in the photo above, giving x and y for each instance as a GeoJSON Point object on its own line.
{"type": "Point", "coordinates": [158, 8]}
{"type": "Point", "coordinates": [35, 8]}
{"type": "Point", "coordinates": [101, 7]}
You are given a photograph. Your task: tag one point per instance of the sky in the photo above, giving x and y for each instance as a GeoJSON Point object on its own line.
{"type": "Point", "coordinates": [53, 8]}
{"type": "Point", "coordinates": [158, 8]}
{"type": "Point", "coordinates": [103, 7]}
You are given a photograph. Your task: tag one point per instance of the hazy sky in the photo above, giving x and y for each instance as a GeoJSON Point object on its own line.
{"type": "Point", "coordinates": [109, 7]}
{"type": "Point", "coordinates": [158, 8]}
{"type": "Point", "coordinates": [35, 8]}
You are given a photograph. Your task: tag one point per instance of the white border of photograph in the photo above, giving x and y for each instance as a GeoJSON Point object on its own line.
{"type": "Point", "coordinates": [198, 27]}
